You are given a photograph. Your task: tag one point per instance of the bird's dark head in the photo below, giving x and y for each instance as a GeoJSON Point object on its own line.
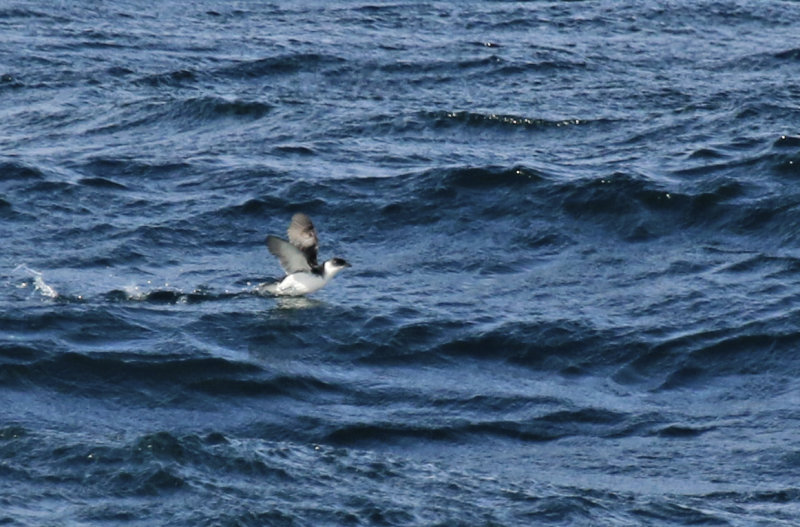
{"type": "Point", "coordinates": [338, 262]}
{"type": "Point", "coordinates": [334, 265]}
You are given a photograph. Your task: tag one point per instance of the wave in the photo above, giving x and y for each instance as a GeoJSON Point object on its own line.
{"type": "Point", "coordinates": [101, 183]}
{"type": "Point", "coordinates": [171, 79]}
{"type": "Point", "coordinates": [549, 427]}
{"type": "Point", "coordinates": [297, 387]}
{"type": "Point", "coordinates": [25, 13]}
{"type": "Point", "coordinates": [792, 55]}
{"type": "Point", "coordinates": [18, 171]}
{"type": "Point", "coordinates": [571, 348]}
{"type": "Point", "coordinates": [787, 141]}
{"type": "Point", "coordinates": [465, 121]}
{"type": "Point", "coordinates": [295, 149]}
{"type": "Point", "coordinates": [182, 113]}
{"type": "Point", "coordinates": [10, 82]}
{"type": "Point", "coordinates": [493, 120]}
{"type": "Point", "coordinates": [210, 108]}
{"type": "Point", "coordinates": [20, 353]}
{"type": "Point", "coordinates": [279, 65]}
{"type": "Point", "coordinates": [172, 296]}
{"type": "Point", "coordinates": [552, 426]}
{"type": "Point", "coordinates": [634, 207]}
{"type": "Point", "coordinates": [163, 470]}
{"type": "Point", "coordinates": [6, 209]}
{"type": "Point", "coordinates": [110, 374]}
{"type": "Point", "coordinates": [285, 64]}
{"type": "Point", "coordinates": [159, 463]}
{"type": "Point", "coordinates": [106, 169]}
{"type": "Point", "coordinates": [764, 60]}
{"type": "Point", "coordinates": [566, 346]}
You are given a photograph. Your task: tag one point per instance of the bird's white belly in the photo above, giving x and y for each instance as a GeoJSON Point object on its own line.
{"type": "Point", "coordinates": [297, 284]}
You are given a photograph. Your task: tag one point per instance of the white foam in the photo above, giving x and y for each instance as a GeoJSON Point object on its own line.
{"type": "Point", "coordinates": [38, 282]}
{"type": "Point", "coordinates": [134, 292]}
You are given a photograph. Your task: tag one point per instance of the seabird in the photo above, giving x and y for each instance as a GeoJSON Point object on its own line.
{"type": "Point", "coordinates": [298, 257]}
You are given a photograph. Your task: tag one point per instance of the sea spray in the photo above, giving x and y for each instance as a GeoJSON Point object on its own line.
{"type": "Point", "coordinates": [39, 284]}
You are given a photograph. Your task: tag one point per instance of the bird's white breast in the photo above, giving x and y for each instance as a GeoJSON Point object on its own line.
{"type": "Point", "coordinates": [300, 284]}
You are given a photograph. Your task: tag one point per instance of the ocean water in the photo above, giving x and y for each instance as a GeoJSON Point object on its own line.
{"type": "Point", "coordinates": [575, 237]}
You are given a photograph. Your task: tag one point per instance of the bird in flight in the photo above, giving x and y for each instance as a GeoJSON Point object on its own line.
{"type": "Point", "coordinates": [298, 257]}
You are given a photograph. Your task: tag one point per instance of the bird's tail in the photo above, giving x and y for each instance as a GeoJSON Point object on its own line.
{"type": "Point", "coordinates": [266, 288]}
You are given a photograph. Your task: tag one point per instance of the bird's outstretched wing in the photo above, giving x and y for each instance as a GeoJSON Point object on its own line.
{"type": "Point", "coordinates": [303, 235]}
{"type": "Point", "coordinates": [291, 258]}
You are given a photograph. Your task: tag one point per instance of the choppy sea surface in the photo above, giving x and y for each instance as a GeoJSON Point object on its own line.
{"type": "Point", "coordinates": [575, 237]}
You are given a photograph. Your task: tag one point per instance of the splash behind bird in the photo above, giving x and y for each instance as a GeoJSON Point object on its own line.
{"type": "Point", "coordinates": [298, 257]}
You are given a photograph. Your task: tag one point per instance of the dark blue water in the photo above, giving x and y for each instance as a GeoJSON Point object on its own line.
{"type": "Point", "coordinates": [575, 237]}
